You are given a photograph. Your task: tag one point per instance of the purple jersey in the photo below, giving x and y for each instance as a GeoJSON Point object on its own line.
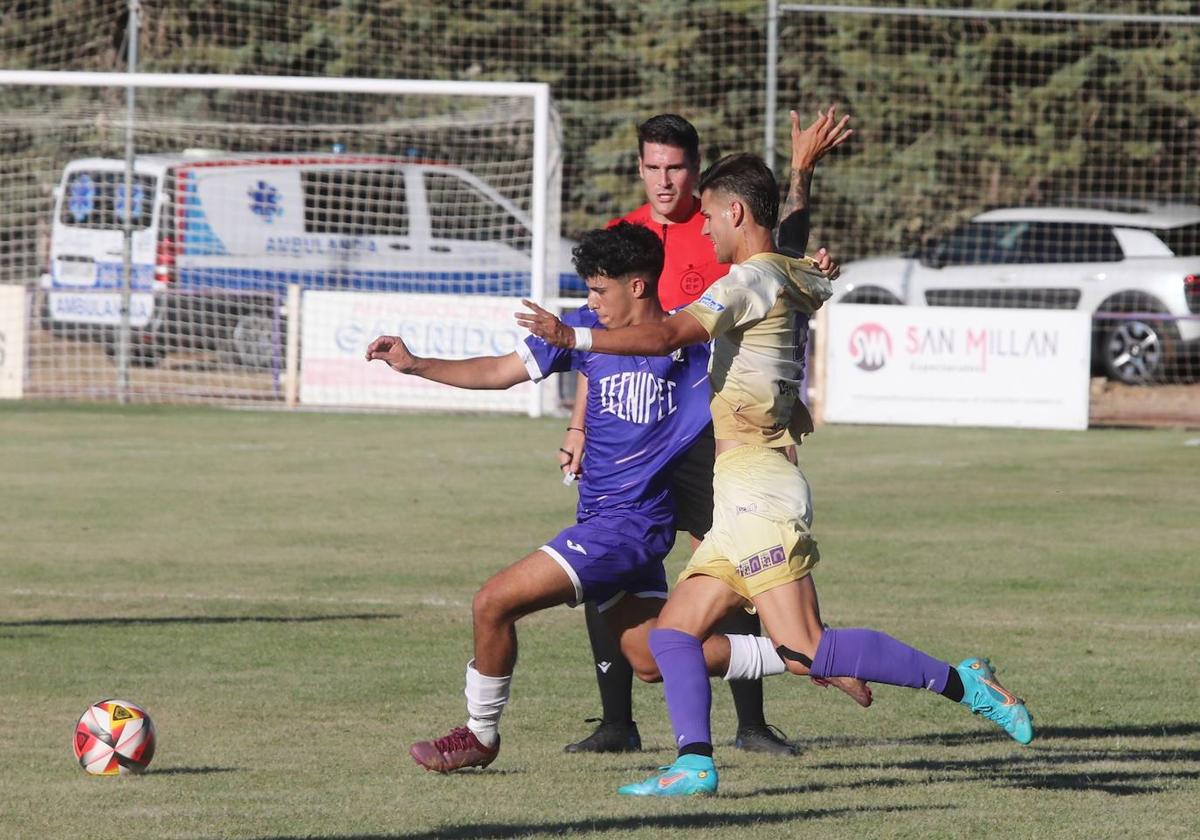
{"type": "Point", "coordinates": [642, 413]}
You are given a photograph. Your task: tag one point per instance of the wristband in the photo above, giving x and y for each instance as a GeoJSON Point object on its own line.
{"type": "Point", "coordinates": [583, 339]}
{"type": "Point", "coordinates": [575, 429]}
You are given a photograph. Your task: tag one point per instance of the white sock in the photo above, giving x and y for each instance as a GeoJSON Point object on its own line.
{"type": "Point", "coordinates": [486, 697]}
{"type": "Point", "coordinates": [753, 657]}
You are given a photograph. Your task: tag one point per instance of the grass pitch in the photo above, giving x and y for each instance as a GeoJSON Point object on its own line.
{"type": "Point", "coordinates": [289, 595]}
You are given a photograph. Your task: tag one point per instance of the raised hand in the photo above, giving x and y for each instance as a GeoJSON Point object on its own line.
{"type": "Point", "coordinates": [546, 325]}
{"type": "Point", "coordinates": [810, 144]}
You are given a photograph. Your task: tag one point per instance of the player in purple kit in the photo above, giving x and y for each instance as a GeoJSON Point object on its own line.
{"type": "Point", "coordinates": [642, 413]}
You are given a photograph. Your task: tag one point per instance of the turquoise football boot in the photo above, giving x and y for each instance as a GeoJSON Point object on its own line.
{"type": "Point", "coordinates": [690, 775]}
{"type": "Point", "coordinates": [984, 695]}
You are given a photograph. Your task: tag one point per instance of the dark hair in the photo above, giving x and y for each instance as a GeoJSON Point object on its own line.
{"type": "Point", "coordinates": [671, 130]}
{"type": "Point", "coordinates": [622, 251]}
{"type": "Point", "coordinates": [746, 177]}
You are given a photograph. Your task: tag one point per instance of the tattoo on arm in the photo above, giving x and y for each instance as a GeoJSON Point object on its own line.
{"type": "Point", "coordinates": [798, 191]}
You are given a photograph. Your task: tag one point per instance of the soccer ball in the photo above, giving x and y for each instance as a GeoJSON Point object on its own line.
{"type": "Point", "coordinates": [113, 737]}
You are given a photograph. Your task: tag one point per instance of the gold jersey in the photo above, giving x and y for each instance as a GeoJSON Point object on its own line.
{"type": "Point", "coordinates": [757, 316]}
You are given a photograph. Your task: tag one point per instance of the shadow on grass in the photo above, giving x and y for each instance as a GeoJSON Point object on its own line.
{"type": "Point", "coordinates": [665, 822]}
{"type": "Point", "coordinates": [1114, 783]}
{"type": "Point", "coordinates": [130, 621]}
{"type": "Point", "coordinates": [1041, 771]}
{"type": "Point", "coordinates": [1044, 766]}
{"type": "Point", "coordinates": [1141, 730]}
{"type": "Point", "coordinates": [1044, 733]}
{"type": "Point", "coordinates": [191, 771]}
{"type": "Point", "coordinates": [1049, 766]}
{"type": "Point", "coordinates": [822, 787]}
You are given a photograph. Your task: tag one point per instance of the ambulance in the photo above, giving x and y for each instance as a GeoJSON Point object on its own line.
{"type": "Point", "coordinates": [218, 237]}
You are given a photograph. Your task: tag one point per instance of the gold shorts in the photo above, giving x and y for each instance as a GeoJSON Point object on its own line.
{"type": "Point", "coordinates": [762, 513]}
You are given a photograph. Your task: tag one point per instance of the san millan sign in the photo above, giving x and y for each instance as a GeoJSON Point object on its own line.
{"type": "Point", "coordinates": [958, 366]}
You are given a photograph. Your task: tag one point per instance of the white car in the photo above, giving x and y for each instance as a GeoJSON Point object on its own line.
{"type": "Point", "coordinates": [1122, 261]}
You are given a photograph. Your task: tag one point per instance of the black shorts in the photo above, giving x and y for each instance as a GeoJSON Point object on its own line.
{"type": "Point", "coordinates": [692, 486]}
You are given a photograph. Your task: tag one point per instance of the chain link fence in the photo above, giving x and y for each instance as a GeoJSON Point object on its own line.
{"type": "Point", "coordinates": [1034, 158]}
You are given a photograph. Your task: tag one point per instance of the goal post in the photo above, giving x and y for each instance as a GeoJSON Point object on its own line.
{"type": "Point", "coordinates": [389, 204]}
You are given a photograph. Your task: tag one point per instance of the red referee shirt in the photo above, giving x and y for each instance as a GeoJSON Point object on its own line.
{"type": "Point", "coordinates": [690, 265]}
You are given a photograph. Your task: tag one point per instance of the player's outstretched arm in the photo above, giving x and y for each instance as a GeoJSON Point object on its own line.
{"type": "Point", "coordinates": [489, 373]}
{"type": "Point", "coordinates": [657, 339]}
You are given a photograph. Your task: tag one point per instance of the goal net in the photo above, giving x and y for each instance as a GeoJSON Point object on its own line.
{"type": "Point", "coordinates": [957, 112]}
{"type": "Point", "coordinates": [243, 239]}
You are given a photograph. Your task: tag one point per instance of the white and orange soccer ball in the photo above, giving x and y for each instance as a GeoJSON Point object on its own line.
{"type": "Point", "coordinates": [113, 737]}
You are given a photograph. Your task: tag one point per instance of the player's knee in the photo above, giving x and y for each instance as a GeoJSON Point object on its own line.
{"type": "Point", "coordinates": [641, 660]}
{"type": "Point", "coordinates": [646, 669]}
{"type": "Point", "coordinates": [489, 605]}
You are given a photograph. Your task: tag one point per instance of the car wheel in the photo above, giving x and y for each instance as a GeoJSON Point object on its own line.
{"type": "Point", "coordinates": [252, 340]}
{"type": "Point", "coordinates": [1136, 351]}
{"type": "Point", "coordinates": [140, 355]}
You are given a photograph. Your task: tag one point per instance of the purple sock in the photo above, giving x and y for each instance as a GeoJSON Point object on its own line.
{"type": "Point", "coordinates": [680, 658]}
{"type": "Point", "coordinates": [877, 657]}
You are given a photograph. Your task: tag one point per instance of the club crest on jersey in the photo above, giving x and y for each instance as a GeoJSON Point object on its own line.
{"type": "Point", "coordinates": [691, 282]}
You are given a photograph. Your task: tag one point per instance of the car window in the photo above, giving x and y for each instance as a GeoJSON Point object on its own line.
{"type": "Point", "coordinates": [1068, 242]}
{"type": "Point", "coordinates": [1024, 243]}
{"type": "Point", "coordinates": [976, 243]}
{"type": "Point", "coordinates": [459, 211]}
{"type": "Point", "coordinates": [355, 202]}
{"type": "Point", "coordinates": [1183, 241]}
{"type": "Point", "coordinates": [96, 200]}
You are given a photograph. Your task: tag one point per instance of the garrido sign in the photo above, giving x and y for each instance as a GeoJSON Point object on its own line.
{"type": "Point", "coordinates": [337, 327]}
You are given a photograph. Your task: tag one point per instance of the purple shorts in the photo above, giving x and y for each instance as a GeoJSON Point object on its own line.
{"type": "Point", "coordinates": [614, 553]}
